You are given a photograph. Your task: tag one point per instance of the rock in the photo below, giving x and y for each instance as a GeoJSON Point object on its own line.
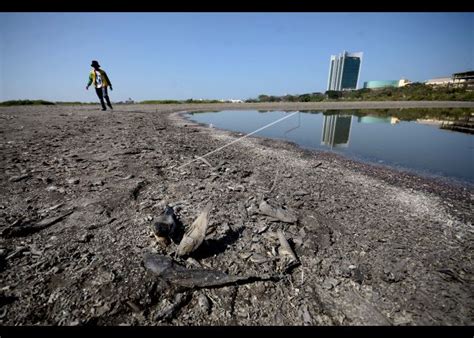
{"type": "Point", "coordinates": [167, 226]}
{"type": "Point", "coordinates": [133, 306]}
{"type": "Point", "coordinates": [263, 228]}
{"type": "Point", "coordinates": [258, 258]}
{"type": "Point", "coordinates": [18, 178]}
{"type": "Point", "coordinates": [357, 275]}
{"type": "Point", "coordinates": [52, 188]}
{"type": "Point", "coordinates": [55, 188]}
{"type": "Point", "coordinates": [300, 193]}
{"type": "Point", "coordinates": [73, 180]}
{"type": "Point", "coordinates": [34, 251]}
{"type": "Point", "coordinates": [278, 213]}
{"type": "Point", "coordinates": [329, 283]}
{"type": "Point", "coordinates": [395, 272]}
{"type": "Point", "coordinates": [307, 320]}
{"type": "Point", "coordinates": [192, 262]}
{"type": "Point", "coordinates": [245, 255]}
{"type": "Point", "coordinates": [47, 180]}
{"type": "Point", "coordinates": [245, 173]}
{"type": "Point", "coordinates": [204, 303]}
{"type": "Point", "coordinates": [55, 270]}
{"type": "Point", "coordinates": [103, 277]}
{"type": "Point", "coordinates": [298, 204]}
{"type": "Point", "coordinates": [101, 310]}
{"type": "Point", "coordinates": [84, 238]}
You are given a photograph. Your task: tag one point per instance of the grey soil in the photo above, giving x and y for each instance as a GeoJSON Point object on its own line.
{"type": "Point", "coordinates": [80, 188]}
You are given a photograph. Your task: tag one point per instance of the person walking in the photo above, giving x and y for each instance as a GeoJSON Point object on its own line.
{"type": "Point", "coordinates": [101, 81]}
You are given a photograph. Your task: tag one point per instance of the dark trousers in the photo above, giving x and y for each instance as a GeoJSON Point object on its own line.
{"type": "Point", "coordinates": [102, 93]}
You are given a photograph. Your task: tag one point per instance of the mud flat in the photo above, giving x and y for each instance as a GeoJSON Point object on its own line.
{"type": "Point", "coordinates": [80, 188]}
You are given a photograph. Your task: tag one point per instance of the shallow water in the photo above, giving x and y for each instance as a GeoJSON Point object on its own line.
{"type": "Point", "coordinates": [414, 143]}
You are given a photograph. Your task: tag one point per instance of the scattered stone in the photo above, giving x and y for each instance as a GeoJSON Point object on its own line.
{"type": "Point", "coordinates": [73, 180]}
{"type": "Point", "coordinates": [277, 213]}
{"type": "Point", "coordinates": [19, 178]}
{"type": "Point", "coordinates": [307, 320]}
{"type": "Point", "coordinates": [204, 303]}
{"type": "Point", "coordinates": [357, 275]}
{"type": "Point", "coordinates": [300, 193]}
{"type": "Point", "coordinates": [84, 238]}
{"type": "Point", "coordinates": [329, 283]}
{"type": "Point", "coordinates": [55, 188]}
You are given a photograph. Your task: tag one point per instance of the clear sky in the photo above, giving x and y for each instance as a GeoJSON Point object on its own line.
{"type": "Point", "coordinates": [221, 55]}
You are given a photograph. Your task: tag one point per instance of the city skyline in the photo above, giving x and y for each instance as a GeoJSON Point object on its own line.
{"type": "Point", "coordinates": [221, 55]}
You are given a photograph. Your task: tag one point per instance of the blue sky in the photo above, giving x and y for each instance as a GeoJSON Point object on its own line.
{"type": "Point", "coordinates": [221, 55]}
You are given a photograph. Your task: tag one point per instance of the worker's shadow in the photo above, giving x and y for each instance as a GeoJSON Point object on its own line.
{"type": "Point", "coordinates": [213, 247]}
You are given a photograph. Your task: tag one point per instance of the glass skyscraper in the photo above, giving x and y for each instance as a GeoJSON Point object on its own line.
{"type": "Point", "coordinates": [344, 70]}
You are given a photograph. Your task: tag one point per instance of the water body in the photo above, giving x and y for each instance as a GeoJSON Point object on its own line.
{"type": "Point", "coordinates": [412, 141]}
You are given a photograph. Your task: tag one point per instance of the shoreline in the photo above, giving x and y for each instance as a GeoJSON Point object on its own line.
{"type": "Point", "coordinates": [444, 180]}
{"type": "Point", "coordinates": [374, 246]}
{"type": "Point", "coordinates": [403, 177]}
{"type": "Point", "coordinates": [281, 105]}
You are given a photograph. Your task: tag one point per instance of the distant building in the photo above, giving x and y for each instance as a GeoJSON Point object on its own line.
{"type": "Point", "coordinates": [381, 84]}
{"type": "Point", "coordinates": [403, 82]}
{"type": "Point", "coordinates": [439, 81]}
{"type": "Point", "coordinates": [231, 101]}
{"type": "Point", "coordinates": [129, 101]}
{"type": "Point", "coordinates": [386, 84]}
{"type": "Point", "coordinates": [344, 71]}
{"type": "Point", "coordinates": [465, 79]}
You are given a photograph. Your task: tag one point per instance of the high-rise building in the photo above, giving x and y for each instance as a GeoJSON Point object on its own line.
{"type": "Point", "coordinates": [344, 70]}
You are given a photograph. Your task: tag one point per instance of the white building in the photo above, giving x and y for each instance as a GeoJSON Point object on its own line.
{"type": "Point", "coordinates": [439, 81]}
{"type": "Point", "coordinates": [344, 71]}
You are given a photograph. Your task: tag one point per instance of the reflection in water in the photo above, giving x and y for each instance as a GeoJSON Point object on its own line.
{"type": "Point", "coordinates": [375, 119]}
{"type": "Point", "coordinates": [402, 138]}
{"type": "Point", "coordinates": [336, 130]}
{"type": "Point", "coordinates": [296, 127]}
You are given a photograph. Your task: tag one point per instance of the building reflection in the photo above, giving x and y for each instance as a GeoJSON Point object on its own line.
{"type": "Point", "coordinates": [377, 119]}
{"type": "Point", "coordinates": [336, 130]}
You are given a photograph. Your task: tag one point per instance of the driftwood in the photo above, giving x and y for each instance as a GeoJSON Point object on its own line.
{"type": "Point", "coordinates": [195, 234]}
{"type": "Point", "coordinates": [166, 268]}
{"type": "Point", "coordinates": [289, 258]}
{"type": "Point", "coordinates": [29, 228]}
